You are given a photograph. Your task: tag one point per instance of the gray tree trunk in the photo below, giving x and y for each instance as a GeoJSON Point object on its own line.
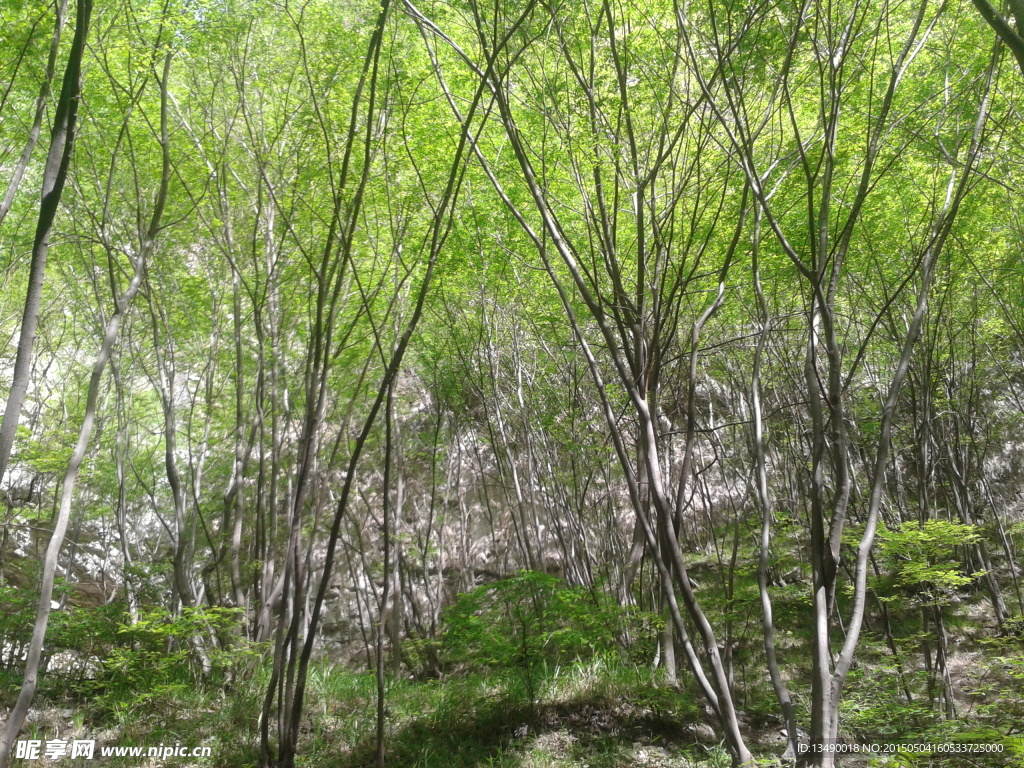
{"type": "Point", "coordinates": [35, 649]}
{"type": "Point", "coordinates": [55, 173]}
{"type": "Point", "coordinates": [37, 119]}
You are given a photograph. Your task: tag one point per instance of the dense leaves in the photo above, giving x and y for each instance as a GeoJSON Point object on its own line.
{"type": "Point", "coordinates": [502, 342]}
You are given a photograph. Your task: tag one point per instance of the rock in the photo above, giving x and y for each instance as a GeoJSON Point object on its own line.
{"type": "Point", "coordinates": [702, 733]}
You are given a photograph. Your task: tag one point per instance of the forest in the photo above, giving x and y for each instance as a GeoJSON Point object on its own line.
{"type": "Point", "coordinates": [512, 383]}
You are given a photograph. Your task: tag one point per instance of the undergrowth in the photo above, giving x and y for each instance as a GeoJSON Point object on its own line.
{"type": "Point", "coordinates": [529, 674]}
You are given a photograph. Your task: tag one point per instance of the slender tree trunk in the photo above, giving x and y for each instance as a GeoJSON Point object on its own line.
{"type": "Point", "coordinates": [37, 121]}
{"type": "Point", "coordinates": [55, 174]}
{"type": "Point", "coordinates": [1011, 37]}
{"type": "Point", "coordinates": [121, 514]}
{"type": "Point", "coordinates": [32, 660]}
{"type": "Point", "coordinates": [386, 596]}
{"type": "Point", "coordinates": [761, 479]}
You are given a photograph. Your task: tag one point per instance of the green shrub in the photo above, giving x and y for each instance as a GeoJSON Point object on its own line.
{"type": "Point", "coordinates": [874, 707]}
{"type": "Point", "coordinates": [17, 615]}
{"type": "Point", "coordinates": [163, 655]}
{"type": "Point", "coordinates": [533, 621]}
{"type": "Point", "coordinates": [920, 559]}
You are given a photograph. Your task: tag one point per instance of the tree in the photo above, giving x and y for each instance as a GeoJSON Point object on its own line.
{"type": "Point", "coordinates": [40, 107]}
{"type": "Point", "coordinates": [1000, 24]}
{"type": "Point", "coordinates": [631, 272]}
{"type": "Point", "coordinates": [821, 257]}
{"type": "Point", "coordinates": [55, 174]}
{"type": "Point", "coordinates": [122, 302]}
{"type": "Point", "coordinates": [695, 307]}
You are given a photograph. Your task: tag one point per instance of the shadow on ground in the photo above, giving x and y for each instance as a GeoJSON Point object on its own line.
{"type": "Point", "coordinates": [505, 734]}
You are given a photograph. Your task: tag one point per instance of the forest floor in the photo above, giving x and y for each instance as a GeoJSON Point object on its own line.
{"type": "Point", "coordinates": [601, 714]}
{"type": "Point", "coordinates": [610, 710]}
{"type": "Point", "coordinates": [588, 716]}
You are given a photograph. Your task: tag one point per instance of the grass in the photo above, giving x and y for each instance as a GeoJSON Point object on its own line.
{"type": "Point", "coordinates": [601, 713]}
{"type": "Point", "coordinates": [604, 712]}
{"type": "Point", "coordinates": [598, 714]}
